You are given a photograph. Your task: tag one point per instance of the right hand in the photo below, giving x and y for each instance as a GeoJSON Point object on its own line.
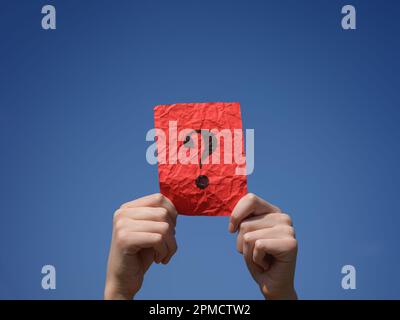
{"type": "Point", "coordinates": [143, 233]}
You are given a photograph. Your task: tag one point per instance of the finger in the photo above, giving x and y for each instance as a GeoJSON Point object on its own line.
{"type": "Point", "coordinates": [250, 204]}
{"type": "Point", "coordinates": [248, 248]}
{"type": "Point", "coordinates": [162, 228]}
{"type": "Point", "coordinates": [172, 248]}
{"type": "Point", "coordinates": [282, 249]}
{"type": "Point", "coordinates": [167, 233]}
{"type": "Point", "coordinates": [144, 213]}
{"type": "Point", "coordinates": [268, 220]}
{"type": "Point", "coordinates": [260, 257]}
{"type": "Point", "coordinates": [276, 232]}
{"type": "Point", "coordinates": [132, 242]}
{"type": "Point", "coordinates": [127, 224]}
{"type": "Point", "coordinates": [154, 200]}
{"type": "Point", "coordinates": [147, 256]}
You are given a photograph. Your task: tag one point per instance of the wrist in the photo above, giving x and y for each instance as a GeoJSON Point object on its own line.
{"type": "Point", "coordinates": [283, 294]}
{"type": "Point", "coordinates": [115, 292]}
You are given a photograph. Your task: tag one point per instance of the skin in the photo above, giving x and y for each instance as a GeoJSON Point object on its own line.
{"type": "Point", "coordinates": [144, 233]}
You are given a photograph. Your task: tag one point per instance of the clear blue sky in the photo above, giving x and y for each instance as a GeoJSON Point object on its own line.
{"type": "Point", "coordinates": [76, 103]}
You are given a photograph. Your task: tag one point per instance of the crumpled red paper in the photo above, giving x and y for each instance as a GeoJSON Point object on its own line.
{"type": "Point", "coordinates": [207, 189]}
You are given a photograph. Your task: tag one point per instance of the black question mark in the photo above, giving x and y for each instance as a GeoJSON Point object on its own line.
{"type": "Point", "coordinates": [210, 141]}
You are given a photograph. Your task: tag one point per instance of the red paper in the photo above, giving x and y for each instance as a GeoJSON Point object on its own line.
{"type": "Point", "coordinates": [191, 135]}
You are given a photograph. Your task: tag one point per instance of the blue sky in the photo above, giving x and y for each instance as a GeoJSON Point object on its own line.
{"type": "Point", "coordinates": [76, 103]}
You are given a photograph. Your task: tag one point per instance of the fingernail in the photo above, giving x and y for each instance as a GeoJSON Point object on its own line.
{"type": "Point", "coordinates": [231, 227]}
{"type": "Point", "coordinates": [166, 260]}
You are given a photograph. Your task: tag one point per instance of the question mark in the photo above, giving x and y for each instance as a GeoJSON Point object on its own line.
{"type": "Point", "coordinates": [210, 144]}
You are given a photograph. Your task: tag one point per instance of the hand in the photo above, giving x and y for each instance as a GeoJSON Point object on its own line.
{"type": "Point", "coordinates": [143, 232]}
{"type": "Point", "coordinates": [267, 241]}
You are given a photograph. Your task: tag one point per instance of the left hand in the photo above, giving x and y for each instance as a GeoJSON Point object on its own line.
{"type": "Point", "coordinates": [267, 241]}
